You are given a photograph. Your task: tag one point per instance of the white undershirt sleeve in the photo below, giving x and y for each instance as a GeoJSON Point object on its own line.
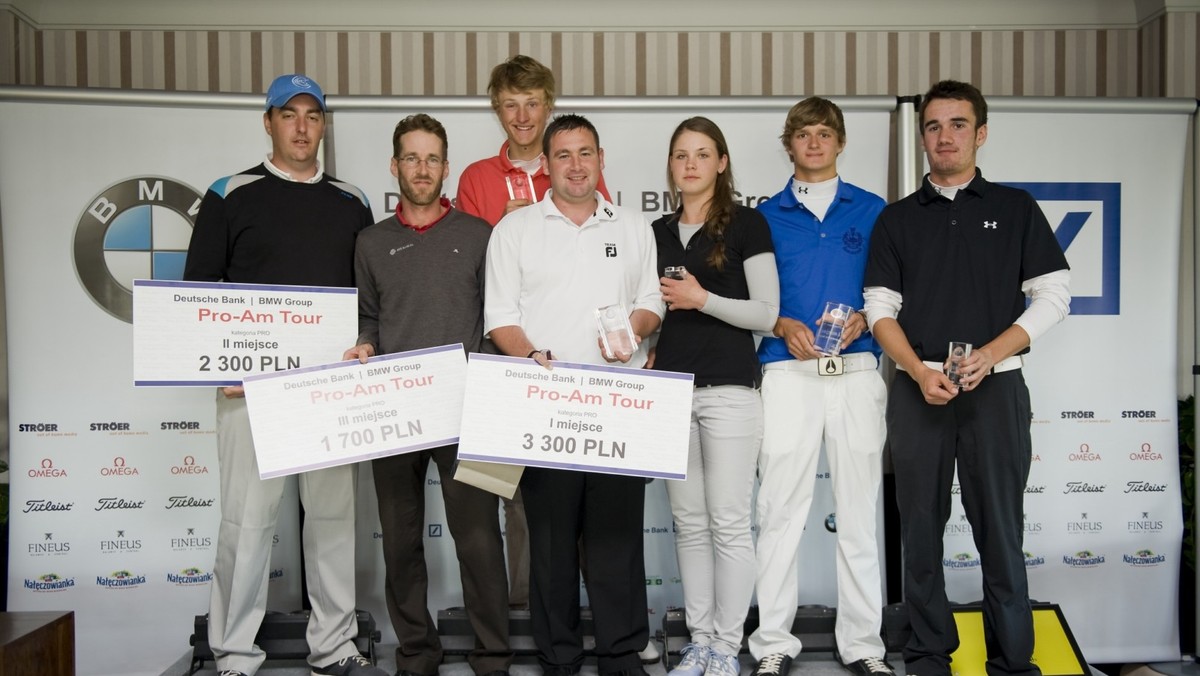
{"type": "Point", "coordinates": [760, 311]}
{"type": "Point", "coordinates": [1050, 303]}
{"type": "Point", "coordinates": [881, 302]}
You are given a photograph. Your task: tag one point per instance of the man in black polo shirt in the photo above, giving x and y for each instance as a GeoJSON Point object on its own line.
{"type": "Point", "coordinates": [955, 261]}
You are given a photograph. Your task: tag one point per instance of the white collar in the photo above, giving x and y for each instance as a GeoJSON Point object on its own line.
{"type": "Point", "coordinates": [288, 177]}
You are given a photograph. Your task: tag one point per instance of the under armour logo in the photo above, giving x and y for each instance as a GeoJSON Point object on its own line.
{"type": "Point", "coordinates": [456, 251]}
{"type": "Point", "coordinates": [989, 225]}
{"type": "Point", "coordinates": [803, 190]}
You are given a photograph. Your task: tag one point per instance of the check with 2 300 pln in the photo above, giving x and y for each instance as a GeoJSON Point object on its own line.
{"type": "Point", "coordinates": [586, 417]}
{"type": "Point", "coordinates": [213, 333]}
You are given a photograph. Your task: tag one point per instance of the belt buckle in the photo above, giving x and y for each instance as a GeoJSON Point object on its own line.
{"type": "Point", "coordinates": [830, 366]}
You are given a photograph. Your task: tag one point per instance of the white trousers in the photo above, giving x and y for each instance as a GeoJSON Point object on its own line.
{"type": "Point", "coordinates": [802, 409]}
{"type": "Point", "coordinates": [249, 508]}
{"type": "Point", "coordinates": [711, 509]}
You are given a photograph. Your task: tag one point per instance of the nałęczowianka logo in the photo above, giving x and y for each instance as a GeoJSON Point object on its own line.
{"type": "Point", "coordinates": [136, 229]}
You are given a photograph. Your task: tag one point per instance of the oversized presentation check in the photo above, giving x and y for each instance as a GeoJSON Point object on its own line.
{"type": "Point", "coordinates": [213, 333]}
{"type": "Point", "coordinates": [587, 417]}
{"type": "Point", "coordinates": [336, 414]}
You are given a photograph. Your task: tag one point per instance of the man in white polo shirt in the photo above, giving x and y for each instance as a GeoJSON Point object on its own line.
{"type": "Point", "coordinates": [549, 267]}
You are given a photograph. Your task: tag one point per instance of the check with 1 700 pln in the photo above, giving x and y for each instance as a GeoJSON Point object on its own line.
{"type": "Point", "coordinates": [335, 414]}
{"type": "Point", "coordinates": [586, 417]}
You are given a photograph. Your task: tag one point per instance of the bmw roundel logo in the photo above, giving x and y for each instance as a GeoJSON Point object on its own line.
{"type": "Point", "coordinates": [136, 229]}
{"type": "Point", "coordinates": [831, 522]}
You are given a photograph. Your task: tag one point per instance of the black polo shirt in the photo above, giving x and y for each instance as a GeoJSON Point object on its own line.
{"type": "Point", "coordinates": [692, 341]}
{"type": "Point", "coordinates": [959, 264]}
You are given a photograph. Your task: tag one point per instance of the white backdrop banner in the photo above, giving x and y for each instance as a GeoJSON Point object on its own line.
{"type": "Point", "coordinates": [114, 493]}
{"type": "Point", "coordinates": [114, 489]}
{"type": "Point", "coordinates": [634, 133]}
{"type": "Point", "coordinates": [1102, 522]}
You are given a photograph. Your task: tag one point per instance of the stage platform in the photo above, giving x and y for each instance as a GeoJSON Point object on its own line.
{"type": "Point", "coordinates": [813, 624]}
{"type": "Point", "coordinates": [816, 664]}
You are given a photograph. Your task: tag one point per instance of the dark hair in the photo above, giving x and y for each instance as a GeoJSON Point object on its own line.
{"type": "Point", "coordinates": [810, 111]}
{"type": "Point", "coordinates": [721, 207]}
{"type": "Point", "coordinates": [568, 122]}
{"type": "Point", "coordinates": [419, 122]}
{"type": "Point", "coordinates": [521, 74]}
{"type": "Point", "coordinates": [960, 91]}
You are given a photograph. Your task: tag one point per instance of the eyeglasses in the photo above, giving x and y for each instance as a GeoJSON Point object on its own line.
{"type": "Point", "coordinates": [433, 161]}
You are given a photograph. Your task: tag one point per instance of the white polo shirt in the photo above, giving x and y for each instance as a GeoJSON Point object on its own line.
{"type": "Point", "coordinates": [549, 276]}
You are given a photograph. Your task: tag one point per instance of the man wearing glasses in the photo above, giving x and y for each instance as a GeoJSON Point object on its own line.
{"type": "Point", "coordinates": [420, 284]}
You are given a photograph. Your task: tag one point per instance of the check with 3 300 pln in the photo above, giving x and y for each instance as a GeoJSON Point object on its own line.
{"type": "Point", "coordinates": [214, 333]}
{"type": "Point", "coordinates": [347, 412]}
{"type": "Point", "coordinates": [587, 417]}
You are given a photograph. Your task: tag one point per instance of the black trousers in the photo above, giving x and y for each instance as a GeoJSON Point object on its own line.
{"type": "Point", "coordinates": [473, 517]}
{"type": "Point", "coordinates": [603, 513]}
{"type": "Point", "coordinates": [986, 431]}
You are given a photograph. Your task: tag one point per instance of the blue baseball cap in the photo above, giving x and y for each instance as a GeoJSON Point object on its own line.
{"type": "Point", "coordinates": [285, 87]}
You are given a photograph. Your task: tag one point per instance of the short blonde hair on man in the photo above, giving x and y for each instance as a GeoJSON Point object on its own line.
{"type": "Point", "coordinates": [813, 110]}
{"type": "Point", "coordinates": [521, 74]}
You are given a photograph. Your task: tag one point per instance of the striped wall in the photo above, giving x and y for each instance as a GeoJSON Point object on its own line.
{"type": "Point", "coordinates": [1157, 59]}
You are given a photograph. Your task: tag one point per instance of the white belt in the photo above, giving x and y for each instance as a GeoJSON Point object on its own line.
{"type": "Point", "coordinates": [857, 361]}
{"type": "Point", "coordinates": [1011, 364]}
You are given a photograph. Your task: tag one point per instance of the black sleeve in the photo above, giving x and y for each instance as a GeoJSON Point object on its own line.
{"type": "Point", "coordinates": [883, 261]}
{"type": "Point", "coordinates": [755, 233]}
{"type": "Point", "coordinates": [207, 257]}
{"type": "Point", "coordinates": [1041, 253]}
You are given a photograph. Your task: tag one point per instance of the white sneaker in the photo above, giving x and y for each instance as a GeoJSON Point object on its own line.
{"type": "Point", "coordinates": [694, 661]}
{"type": "Point", "coordinates": [723, 665]}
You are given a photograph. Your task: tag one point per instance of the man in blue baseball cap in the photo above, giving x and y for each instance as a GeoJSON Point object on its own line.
{"type": "Point", "coordinates": [285, 87]}
{"type": "Point", "coordinates": [284, 221]}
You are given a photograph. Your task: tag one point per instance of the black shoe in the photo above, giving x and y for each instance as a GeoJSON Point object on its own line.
{"type": "Point", "coordinates": [355, 665]}
{"type": "Point", "coordinates": [870, 666]}
{"type": "Point", "coordinates": [498, 672]}
{"type": "Point", "coordinates": [775, 664]}
{"type": "Point", "coordinates": [559, 671]}
{"type": "Point", "coordinates": [635, 671]}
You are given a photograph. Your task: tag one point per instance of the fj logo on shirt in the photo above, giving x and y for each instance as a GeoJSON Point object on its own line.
{"type": "Point", "coordinates": [989, 225]}
{"type": "Point", "coordinates": [610, 250]}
